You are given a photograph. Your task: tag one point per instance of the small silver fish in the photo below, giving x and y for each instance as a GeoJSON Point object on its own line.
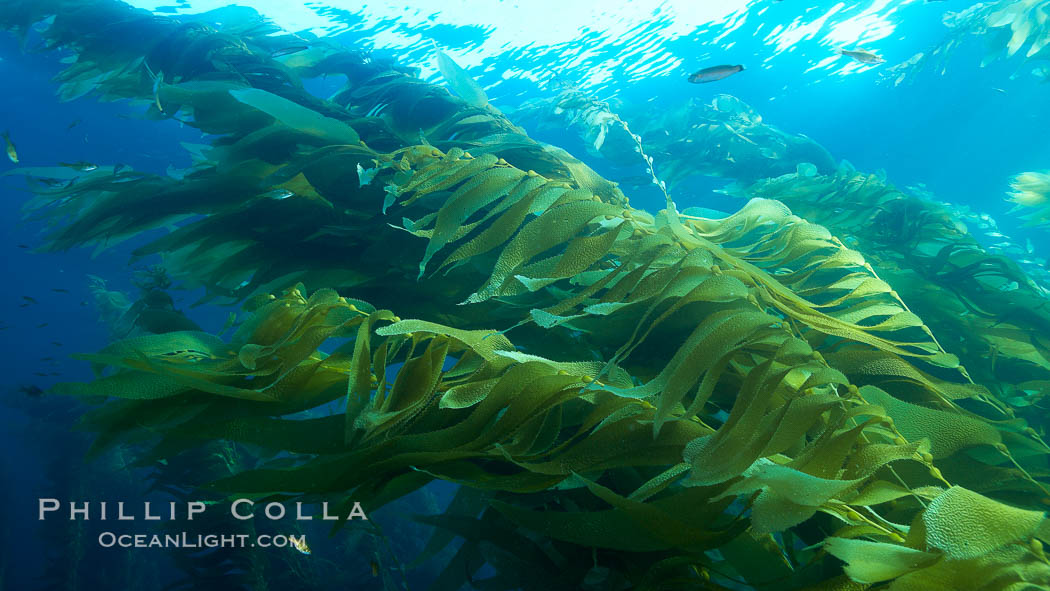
{"type": "Point", "coordinates": [157, 81]}
{"type": "Point", "coordinates": [288, 50]}
{"type": "Point", "coordinates": [80, 166]}
{"type": "Point", "coordinates": [278, 194]}
{"type": "Point", "coordinates": [714, 73]}
{"type": "Point", "coordinates": [864, 57]}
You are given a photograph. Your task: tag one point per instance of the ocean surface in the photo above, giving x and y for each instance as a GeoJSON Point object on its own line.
{"type": "Point", "coordinates": [955, 133]}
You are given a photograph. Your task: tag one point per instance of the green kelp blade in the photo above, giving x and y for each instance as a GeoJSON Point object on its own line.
{"type": "Point", "coordinates": [467, 502]}
{"type": "Point", "coordinates": [872, 562]}
{"type": "Point", "coordinates": [947, 432]}
{"type": "Point", "coordinates": [461, 82]}
{"type": "Point", "coordinates": [964, 524]}
{"type": "Point", "coordinates": [686, 519]}
{"type": "Point", "coordinates": [297, 116]}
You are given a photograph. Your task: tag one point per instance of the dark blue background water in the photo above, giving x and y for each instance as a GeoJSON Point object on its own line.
{"type": "Point", "coordinates": [956, 133]}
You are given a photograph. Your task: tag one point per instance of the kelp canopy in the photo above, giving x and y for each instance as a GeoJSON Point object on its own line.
{"type": "Point", "coordinates": [628, 399]}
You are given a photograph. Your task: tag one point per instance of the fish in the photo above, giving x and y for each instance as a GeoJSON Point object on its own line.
{"type": "Point", "coordinates": [59, 290]}
{"type": "Point", "coordinates": [738, 134]}
{"type": "Point", "coordinates": [864, 57]}
{"type": "Point", "coordinates": [31, 391]}
{"type": "Point", "coordinates": [278, 194]}
{"type": "Point", "coordinates": [714, 73]}
{"type": "Point", "coordinates": [157, 81]}
{"type": "Point", "coordinates": [375, 567]}
{"type": "Point", "coordinates": [365, 176]}
{"type": "Point", "coordinates": [29, 300]}
{"type": "Point", "coordinates": [376, 110]}
{"type": "Point", "coordinates": [23, 246]}
{"type": "Point", "coordinates": [288, 50]}
{"type": "Point", "coordinates": [299, 543]}
{"type": "Point", "coordinates": [56, 343]}
{"type": "Point", "coordinates": [80, 166]}
{"type": "Point", "coordinates": [41, 325]}
{"type": "Point", "coordinates": [12, 153]}
{"type": "Point", "coordinates": [75, 123]}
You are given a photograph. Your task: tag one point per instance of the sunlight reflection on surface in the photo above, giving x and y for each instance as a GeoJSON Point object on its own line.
{"type": "Point", "coordinates": [609, 41]}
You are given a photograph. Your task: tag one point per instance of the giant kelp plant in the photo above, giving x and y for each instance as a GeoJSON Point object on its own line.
{"type": "Point", "coordinates": [1007, 28]}
{"type": "Point", "coordinates": [619, 393]}
{"type": "Point", "coordinates": [724, 137]}
{"type": "Point", "coordinates": [1031, 195]}
{"type": "Point", "coordinates": [984, 304]}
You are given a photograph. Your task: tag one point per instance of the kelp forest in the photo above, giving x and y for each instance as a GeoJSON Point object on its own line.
{"type": "Point", "coordinates": [835, 387]}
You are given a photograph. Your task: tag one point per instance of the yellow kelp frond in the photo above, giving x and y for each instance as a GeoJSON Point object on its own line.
{"type": "Point", "coordinates": [1031, 192]}
{"type": "Point", "coordinates": [962, 540]}
{"type": "Point", "coordinates": [964, 524]}
{"type": "Point", "coordinates": [635, 277]}
{"type": "Point", "coordinates": [925, 252]}
{"type": "Point", "coordinates": [947, 432]}
{"type": "Point", "coordinates": [873, 562]}
{"type": "Point", "coordinates": [465, 406]}
{"type": "Point", "coordinates": [499, 198]}
{"type": "Point", "coordinates": [274, 366]}
{"type": "Point", "coordinates": [279, 342]}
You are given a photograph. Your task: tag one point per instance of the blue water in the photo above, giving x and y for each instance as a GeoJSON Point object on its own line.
{"type": "Point", "coordinates": [962, 134]}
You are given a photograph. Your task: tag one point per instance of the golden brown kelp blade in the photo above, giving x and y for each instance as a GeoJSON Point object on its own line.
{"type": "Point", "coordinates": [982, 302]}
{"type": "Point", "coordinates": [546, 422]}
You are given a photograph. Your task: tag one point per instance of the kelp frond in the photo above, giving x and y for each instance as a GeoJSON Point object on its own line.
{"type": "Point", "coordinates": [1031, 194]}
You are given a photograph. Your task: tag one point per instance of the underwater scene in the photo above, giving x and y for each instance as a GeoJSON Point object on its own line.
{"type": "Point", "coordinates": [452, 295]}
